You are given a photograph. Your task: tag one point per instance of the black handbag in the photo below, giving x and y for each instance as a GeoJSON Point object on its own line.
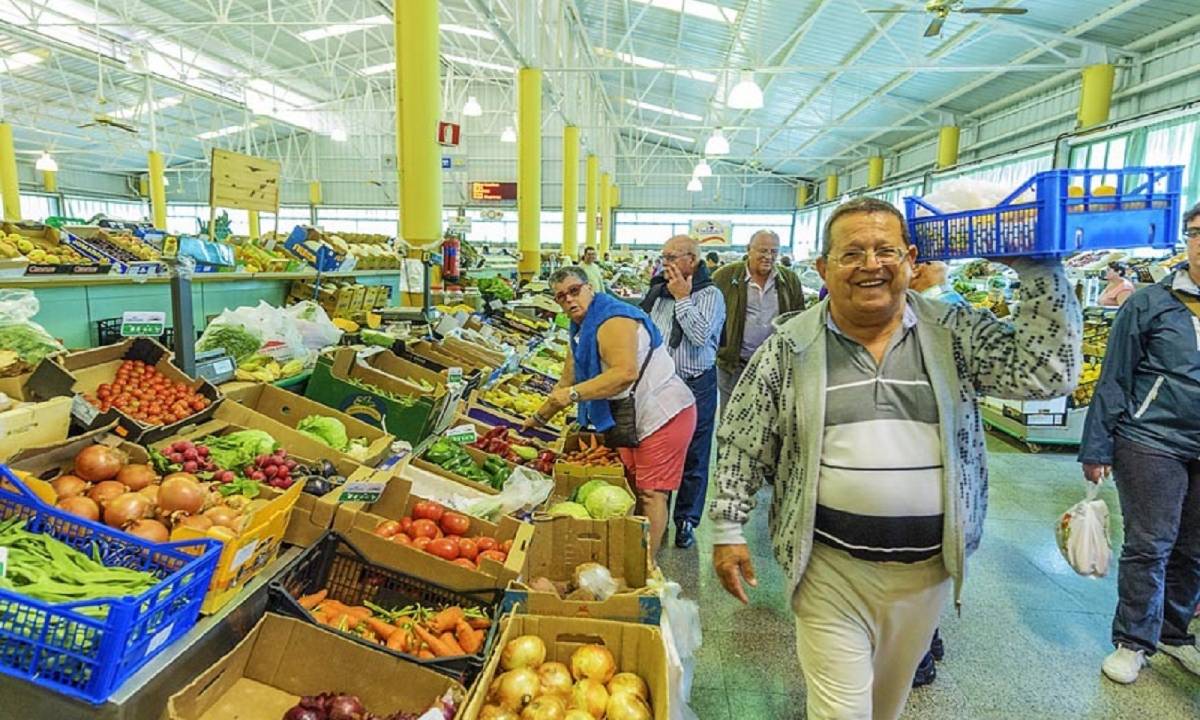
{"type": "Point", "coordinates": [624, 415]}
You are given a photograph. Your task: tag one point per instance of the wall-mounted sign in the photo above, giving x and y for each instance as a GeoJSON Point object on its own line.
{"type": "Point", "coordinates": [244, 181]}
{"type": "Point", "coordinates": [711, 232]}
{"type": "Point", "coordinates": [449, 133]}
{"type": "Point", "coordinates": [447, 163]}
{"type": "Point", "coordinates": [485, 191]}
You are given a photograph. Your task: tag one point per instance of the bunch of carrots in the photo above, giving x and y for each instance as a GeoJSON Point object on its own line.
{"type": "Point", "coordinates": [413, 630]}
{"type": "Point", "coordinates": [591, 452]}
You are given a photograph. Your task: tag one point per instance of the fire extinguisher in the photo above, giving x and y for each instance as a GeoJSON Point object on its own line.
{"type": "Point", "coordinates": [450, 248]}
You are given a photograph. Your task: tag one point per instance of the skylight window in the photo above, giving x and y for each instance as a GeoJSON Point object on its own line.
{"type": "Point", "coordinates": [330, 31]}
{"type": "Point", "coordinates": [695, 8]}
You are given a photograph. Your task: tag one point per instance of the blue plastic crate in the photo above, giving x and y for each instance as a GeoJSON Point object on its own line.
{"type": "Point", "coordinates": [1071, 210]}
{"type": "Point", "coordinates": [56, 646]}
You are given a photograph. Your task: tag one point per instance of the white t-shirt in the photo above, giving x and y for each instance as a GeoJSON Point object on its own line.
{"type": "Point", "coordinates": [661, 394]}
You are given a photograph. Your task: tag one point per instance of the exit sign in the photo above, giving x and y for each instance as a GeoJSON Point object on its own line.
{"type": "Point", "coordinates": [493, 191]}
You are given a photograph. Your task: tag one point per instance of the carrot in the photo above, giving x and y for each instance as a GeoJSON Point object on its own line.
{"type": "Point", "coordinates": [469, 639]}
{"type": "Point", "coordinates": [425, 654]}
{"type": "Point", "coordinates": [308, 602]}
{"type": "Point", "coordinates": [446, 619]}
{"type": "Point", "coordinates": [356, 611]}
{"type": "Point", "coordinates": [380, 628]}
{"type": "Point", "coordinates": [479, 623]}
{"type": "Point", "coordinates": [435, 644]}
{"type": "Point", "coordinates": [398, 640]}
{"type": "Point", "coordinates": [448, 640]}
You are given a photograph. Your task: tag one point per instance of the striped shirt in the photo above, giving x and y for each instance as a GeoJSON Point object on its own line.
{"type": "Point", "coordinates": [701, 316]}
{"type": "Point", "coordinates": [879, 494]}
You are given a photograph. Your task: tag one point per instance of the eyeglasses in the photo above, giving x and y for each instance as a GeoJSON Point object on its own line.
{"type": "Point", "coordinates": [1191, 233]}
{"type": "Point", "coordinates": [569, 294]}
{"type": "Point", "coordinates": [883, 255]}
{"type": "Point", "coordinates": [669, 258]}
{"type": "Point", "coordinates": [765, 252]}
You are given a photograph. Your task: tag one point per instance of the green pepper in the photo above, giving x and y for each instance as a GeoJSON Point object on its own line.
{"type": "Point", "coordinates": [439, 452]}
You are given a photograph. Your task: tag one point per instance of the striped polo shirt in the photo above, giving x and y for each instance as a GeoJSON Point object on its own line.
{"type": "Point", "coordinates": [879, 493]}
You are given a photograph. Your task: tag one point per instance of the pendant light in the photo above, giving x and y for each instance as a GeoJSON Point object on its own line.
{"type": "Point", "coordinates": [46, 163]}
{"type": "Point", "coordinates": [717, 144]}
{"type": "Point", "coordinates": [694, 185]}
{"type": "Point", "coordinates": [702, 169]}
{"type": "Point", "coordinates": [472, 108]}
{"type": "Point", "coordinates": [746, 95]}
{"type": "Point", "coordinates": [509, 135]}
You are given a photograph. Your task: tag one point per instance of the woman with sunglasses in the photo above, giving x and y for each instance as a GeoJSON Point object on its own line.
{"type": "Point", "coordinates": [616, 349]}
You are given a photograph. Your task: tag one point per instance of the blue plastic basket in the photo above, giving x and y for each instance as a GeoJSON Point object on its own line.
{"type": "Point", "coordinates": [1071, 210]}
{"type": "Point", "coordinates": [58, 647]}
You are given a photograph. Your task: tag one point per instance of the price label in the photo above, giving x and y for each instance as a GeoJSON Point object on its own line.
{"type": "Point", "coordinates": [462, 434]}
{"type": "Point", "coordinates": [84, 410]}
{"type": "Point", "coordinates": [454, 375]}
{"type": "Point", "coordinates": [3, 562]}
{"type": "Point", "coordinates": [364, 491]}
{"type": "Point", "coordinates": [136, 323]}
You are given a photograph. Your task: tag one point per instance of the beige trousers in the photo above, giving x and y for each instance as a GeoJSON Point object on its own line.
{"type": "Point", "coordinates": [861, 630]}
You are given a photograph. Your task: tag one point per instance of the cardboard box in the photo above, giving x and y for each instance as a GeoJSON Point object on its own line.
{"type": "Point", "coordinates": [582, 473]}
{"type": "Point", "coordinates": [283, 659]}
{"type": "Point", "coordinates": [312, 516]}
{"type": "Point", "coordinates": [636, 648]}
{"type": "Point", "coordinates": [561, 544]}
{"type": "Point", "coordinates": [47, 461]}
{"type": "Point", "coordinates": [290, 408]}
{"type": "Point", "coordinates": [33, 425]}
{"type": "Point", "coordinates": [476, 455]}
{"type": "Point", "coordinates": [494, 416]}
{"type": "Point", "coordinates": [333, 383]}
{"type": "Point", "coordinates": [307, 244]}
{"type": "Point", "coordinates": [357, 523]}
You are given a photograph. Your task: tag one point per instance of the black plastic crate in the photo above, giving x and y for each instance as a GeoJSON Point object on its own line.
{"type": "Point", "coordinates": [108, 332]}
{"type": "Point", "coordinates": [335, 564]}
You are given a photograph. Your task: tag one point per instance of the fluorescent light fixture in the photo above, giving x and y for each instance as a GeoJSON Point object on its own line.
{"type": "Point", "coordinates": [377, 69]}
{"type": "Point", "coordinates": [509, 135]}
{"type": "Point", "coordinates": [472, 108]}
{"type": "Point", "coordinates": [746, 95]}
{"type": "Point", "coordinates": [696, 8]}
{"type": "Point", "coordinates": [161, 104]}
{"type": "Point", "coordinates": [664, 110]}
{"type": "Point", "coordinates": [694, 185]}
{"type": "Point", "coordinates": [338, 135]}
{"type": "Point", "coordinates": [19, 60]}
{"type": "Point", "coordinates": [639, 61]}
{"type": "Point", "coordinates": [213, 134]}
{"type": "Point", "coordinates": [479, 63]}
{"type": "Point", "coordinates": [344, 28]}
{"type": "Point", "coordinates": [464, 30]}
{"type": "Point", "coordinates": [717, 144]}
{"type": "Point", "coordinates": [702, 170]}
{"type": "Point", "coordinates": [166, 180]}
{"type": "Point", "coordinates": [664, 133]}
{"type": "Point", "coordinates": [46, 163]}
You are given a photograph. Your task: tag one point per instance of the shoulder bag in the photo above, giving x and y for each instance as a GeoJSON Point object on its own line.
{"type": "Point", "coordinates": [624, 414]}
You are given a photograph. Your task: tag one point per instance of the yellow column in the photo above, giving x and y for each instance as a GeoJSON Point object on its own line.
{"type": "Point", "coordinates": [418, 109]}
{"type": "Point", "coordinates": [1095, 97]}
{"type": "Point", "coordinates": [803, 191]}
{"type": "Point", "coordinates": [615, 197]}
{"type": "Point", "coordinates": [570, 192]}
{"type": "Point", "coordinates": [831, 187]}
{"type": "Point", "coordinates": [875, 172]}
{"type": "Point", "coordinates": [314, 193]}
{"type": "Point", "coordinates": [592, 200]}
{"type": "Point", "coordinates": [947, 150]}
{"type": "Point", "coordinates": [605, 214]}
{"type": "Point", "coordinates": [9, 186]}
{"type": "Point", "coordinates": [254, 231]}
{"type": "Point", "coordinates": [529, 171]}
{"type": "Point", "coordinates": [50, 180]}
{"type": "Point", "coordinates": [158, 191]}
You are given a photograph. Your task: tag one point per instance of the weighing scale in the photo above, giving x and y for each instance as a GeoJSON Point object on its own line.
{"type": "Point", "coordinates": [215, 366]}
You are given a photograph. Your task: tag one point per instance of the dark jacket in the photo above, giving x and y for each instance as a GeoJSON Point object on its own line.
{"type": "Point", "coordinates": [731, 281]}
{"type": "Point", "coordinates": [1149, 387]}
{"type": "Point", "coordinates": [658, 288]}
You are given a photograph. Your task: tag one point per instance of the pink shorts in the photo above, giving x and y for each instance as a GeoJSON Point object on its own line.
{"type": "Point", "coordinates": [657, 463]}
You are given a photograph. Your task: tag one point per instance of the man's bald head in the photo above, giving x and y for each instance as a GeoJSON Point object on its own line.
{"type": "Point", "coordinates": [682, 252]}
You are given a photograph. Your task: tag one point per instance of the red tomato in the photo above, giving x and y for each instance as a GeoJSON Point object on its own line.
{"type": "Point", "coordinates": [484, 542]}
{"type": "Point", "coordinates": [402, 539]}
{"type": "Point", "coordinates": [468, 549]}
{"type": "Point", "coordinates": [424, 529]}
{"type": "Point", "coordinates": [493, 554]}
{"type": "Point", "coordinates": [405, 524]}
{"type": "Point", "coordinates": [426, 510]}
{"type": "Point", "coordinates": [506, 547]}
{"type": "Point", "coordinates": [455, 523]}
{"type": "Point", "coordinates": [444, 548]}
{"type": "Point", "coordinates": [455, 538]}
{"type": "Point", "coordinates": [420, 543]}
{"type": "Point", "coordinates": [465, 563]}
{"type": "Point", "coordinates": [387, 528]}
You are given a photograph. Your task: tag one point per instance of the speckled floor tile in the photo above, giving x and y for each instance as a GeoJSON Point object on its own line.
{"type": "Point", "coordinates": [777, 706]}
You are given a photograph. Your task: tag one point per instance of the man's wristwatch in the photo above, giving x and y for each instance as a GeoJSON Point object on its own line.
{"type": "Point", "coordinates": [573, 394]}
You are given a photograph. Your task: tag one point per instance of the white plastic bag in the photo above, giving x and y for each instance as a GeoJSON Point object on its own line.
{"type": "Point", "coordinates": [316, 329]}
{"type": "Point", "coordinates": [682, 637]}
{"type": "Point", "coordinates": [524, 489]}
{"type": "Point", "coordinates": [24, 343]}
{"type": "Point", "coordinates": [968, 194]}
{"type": "Point", "coordinates": [276, 332]}
{"type": "Point", "coordinates": [597, 580]}
{"type": "Point", "coordinates": [1082, 534]}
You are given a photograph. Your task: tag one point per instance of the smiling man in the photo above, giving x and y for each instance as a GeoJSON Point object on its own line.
{"type": "Point", "coordinates": [862, 413]}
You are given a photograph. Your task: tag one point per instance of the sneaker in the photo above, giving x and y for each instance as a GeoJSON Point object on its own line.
{"type": "Point", "coordinates": [1123, 665]}
{"type": "Point", "coordinates": [685, 535]}
{"type": "Point", "coordinates": [1187, 655]}
{"type": "Point", "coordinates": [926, 672]}
{"type": "Point", "coordinates": [937, 647]}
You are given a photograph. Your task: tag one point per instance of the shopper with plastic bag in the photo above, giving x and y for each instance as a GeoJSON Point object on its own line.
{"type": "Point", "coordinates": [1082, 535]}
{"type": "Point", "coordinates": [1143, 427]}
{"type": "Point", "coordinates": [23, 343]}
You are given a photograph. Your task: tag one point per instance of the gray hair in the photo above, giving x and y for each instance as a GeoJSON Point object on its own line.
{"type": "Point", "coordinates": [861, 205]}
{"type": "Point", "coordinates": [693, 243]}
{"type": "Point", "coordinates": [764, 231]}
{"type": "Point", "coordinates": [564, 273]}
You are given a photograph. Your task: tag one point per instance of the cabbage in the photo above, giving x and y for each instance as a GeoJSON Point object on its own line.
{"type": "Point", "coordinates": [569, 509]}
{"type": "Point", "coordinates": [581, 495]}
{"type": "Point", "coordinates": [609, 501]}
{"type": "Point", "coordinates": [328, 430]}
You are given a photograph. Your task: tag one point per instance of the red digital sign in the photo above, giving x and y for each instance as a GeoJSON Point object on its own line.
{"type": "Point", "coordinates": [484, 191]}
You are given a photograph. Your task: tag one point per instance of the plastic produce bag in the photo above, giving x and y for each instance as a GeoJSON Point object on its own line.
{"type": "Point", "coordinates": [316, 329]}
{"type": "Point", "coordinates": [262, 329]}
{"type": "Point", "coordinates": [1082, 534]}
{"type": "Point", "coordinates": [23, 343]}
{"type": "Point", "coordinates": [597, 580]}
{"type": "Point", "coordinates": [682, 636]}
{"type": "Point", "coordinates": [524, 490]}
{"type": "Point", "coordinates": [963, 194]}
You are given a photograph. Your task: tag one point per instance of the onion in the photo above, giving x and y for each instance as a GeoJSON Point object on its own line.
{"type": "Point", "coordinates": [546, 707]}
{"type": "Point", "coordinates": [195, 522]}
{"type": "Point", "coordinates": [81, 506]}
{"type": "Point", "coordinates": [136, 476]}
{"type": "Point", "coordinates": [593, 661]}
{"type": "Point", "coordinates": [69, 485]}
{"type": "Point", "coordinates": [591, 696]}
{"type": "Point", "coordinates": [516, 688]}
{"type": "Point", "coordinates": [627, 706]}
{"type": "Point", "coordinates": [151, 530]}
{"type": "Point", "coordinates": [96, 463]}
{"type": "Point", "coordinates": [577, 714]}
{"type": "Point", "coordinates": [555, 678]}
{"type": "Point", "coordinates": [527, 651]}
{"type": "Point", "coordinates": [103, 492]}
{"type": "Point", "coordinates": [125, 510]}
{"type": "Point", "coordinates": [302, 713]}
{"type": "Point", "coordinates": [224, 516]}
{"type": "Point", "coordinates": [180, 492]}
{"type": "Point", "coordinates": [629, 682]}
{"type": "Point", "coordinates": [346, 707]}
{"type": "Point", "coordinates": [150, 492]}
{"type": "Point", "coordinates": [495, 712]}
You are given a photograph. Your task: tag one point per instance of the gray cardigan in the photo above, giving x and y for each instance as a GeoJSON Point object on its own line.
{"type": "Point", "coordinates": [773, 427]}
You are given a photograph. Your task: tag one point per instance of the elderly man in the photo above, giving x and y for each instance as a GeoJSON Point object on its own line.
{"type": "Point", "coordinates": [862, 413]}
{"type": "Point", "coordinates": [756, 292]}
{"type": "Point", "coordinates": [592, 269]}
{"type": "Point", "coordinates": [690, 312]}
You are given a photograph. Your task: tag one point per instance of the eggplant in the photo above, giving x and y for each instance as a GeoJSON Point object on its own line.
{"type": "Point", "coordinates": [317, 485]}
{"type": "Point", "coordinates": [337, 480]}
{"type": "Point", "coordinates": [327, 469]}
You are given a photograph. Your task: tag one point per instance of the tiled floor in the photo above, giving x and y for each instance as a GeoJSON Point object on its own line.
{"type": "Point", "coordinates": [1027, 646]}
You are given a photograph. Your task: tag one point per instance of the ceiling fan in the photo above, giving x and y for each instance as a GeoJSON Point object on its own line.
{"type": "Point", "coordinates": [941, 9]}
{"type": "Point", "coordinates": [107, 121]}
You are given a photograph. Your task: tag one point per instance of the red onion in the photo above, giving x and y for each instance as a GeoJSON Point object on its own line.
{"type": "Point", "coordinates": [346, 707]}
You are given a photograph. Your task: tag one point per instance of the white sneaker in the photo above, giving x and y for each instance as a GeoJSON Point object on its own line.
{"type": "Point", "coordinates": [1187, 655]}
{"type": "Point", "coordinates": [1123, 665]}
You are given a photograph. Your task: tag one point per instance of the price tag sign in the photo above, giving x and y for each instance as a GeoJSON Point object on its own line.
{"type": "Point", "coordinates": [136, 323]}
{"type": "Point", "coordinates": [462, 434]}
{"type": "Point", "coordinates": [365, 491]}
{"type": "Point", "coordinates": [84, 410]}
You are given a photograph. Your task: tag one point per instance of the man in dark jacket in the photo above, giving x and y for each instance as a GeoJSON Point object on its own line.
{"type": "Point", "coordinates": [756, 292]}
{"type": "Point", "coordinates": [1143, 426]}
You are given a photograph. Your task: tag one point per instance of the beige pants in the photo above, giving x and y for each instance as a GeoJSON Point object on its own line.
{"type": "Point", "coordinates": [861, 631]}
